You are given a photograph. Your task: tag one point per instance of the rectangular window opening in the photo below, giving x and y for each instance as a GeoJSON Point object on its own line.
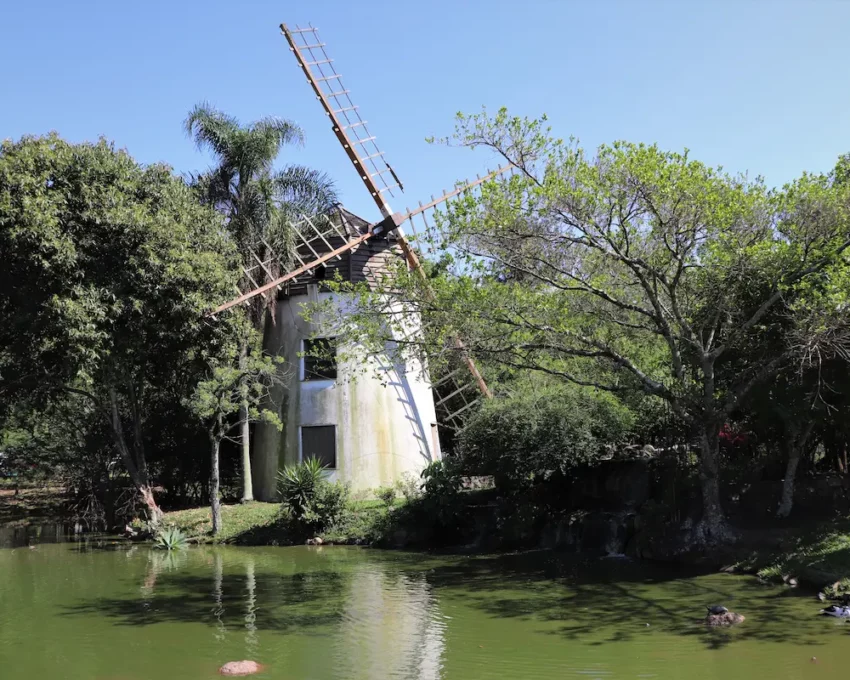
{"type": "Point", "coordinates": [319, 359]}
{"type": "Point", "coordinates": [319, 441]}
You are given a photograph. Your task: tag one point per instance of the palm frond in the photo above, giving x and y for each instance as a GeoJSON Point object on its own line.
{"type": "Point", "coordinates": [301, 189]}
{"type": "Point", "coordinates": [272, 133]}
{"type": "Point", "coordinates": [212, 129]}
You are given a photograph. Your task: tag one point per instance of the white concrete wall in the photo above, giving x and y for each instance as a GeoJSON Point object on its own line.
{"type": "Point", "coordinates": [382, 432]}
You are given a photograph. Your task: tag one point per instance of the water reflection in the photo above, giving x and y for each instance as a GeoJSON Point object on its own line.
{"type": "Point", "coordinates": [392, 627]}
{"type": "Point", "coordinates": [251, 642]}
{"type": "Point", "coordinates": [346, 614]}
{"type": "Point", "coordinates": [18, 537]}
{"type": "Point", "coordinates": [375, 620]}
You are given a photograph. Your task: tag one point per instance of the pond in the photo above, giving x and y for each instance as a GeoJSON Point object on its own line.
{"type": "Point", "coordinates": [89, 611]}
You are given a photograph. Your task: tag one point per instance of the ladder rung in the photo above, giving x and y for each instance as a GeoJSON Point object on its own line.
{"type": "Point", "coordinates": [380, 172]}
{"type": "Point", "coordinates": [334, 77]}
{"type": "Point", "coordinates": [446, 378]}
{"type": "Point", "coordinates": [302, 30]}
{"type": "Point", "coordinates": [363, 141]}
{"type": "Point", "coordinates": [452, 416]}
{"type": "Point", "coordinates": [374, 155]}
{"type": "Point", "coordinates": [337, 94]}
{"type": "Point", "coordinates": [347, 108]}
{"type": "Point", "coordinates": [316, 63]}
{"type": "Point", "coordinates": [354, 125]}
{"type": "Point", "coordinates": [311, 47]}
{"type": "Point", "coordinates": [391, 186]}
{"type": "Point", "coordinates": [456, 392]}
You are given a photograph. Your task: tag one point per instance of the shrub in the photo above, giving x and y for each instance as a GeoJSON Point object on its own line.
{"type": "Point", "coordinates": [297, 485]}
{"type": "Point", "coordinates": [314, 503]}
{"type": "Point", "coordinates": [409, 487]}
{"type": "Point", "coordinates": [441, 478]}
{"type": "Point", "coordinates": [171, 539]}
{"type": "Point", "coordinates": [442, 484]}
{"type": "Point", "coordinates": [327, 507]}
{"type": "Point", "coordinates": [524, 438]}
{"type": "Point", "coordinates": [386, 494]}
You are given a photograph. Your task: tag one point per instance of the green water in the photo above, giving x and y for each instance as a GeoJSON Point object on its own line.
{"type": "Point", "coordinates": [75, 613]}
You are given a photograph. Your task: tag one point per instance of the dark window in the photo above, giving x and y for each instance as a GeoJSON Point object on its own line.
{"type": "Point", "coordinates": [319, 359]}
{"type": "Point", "coordinates": [319, 441]}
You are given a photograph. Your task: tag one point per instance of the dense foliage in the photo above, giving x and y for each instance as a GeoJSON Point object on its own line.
{"type": "Point", "coordinates": [313, 502]}
{"type": "Point", "coordinates": [536, 432]}
{"type": "Point", "coordinates": [109, 269]}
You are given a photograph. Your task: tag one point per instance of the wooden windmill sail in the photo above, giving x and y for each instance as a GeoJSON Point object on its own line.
{"type": "Point", "coordinates": [323, 240]}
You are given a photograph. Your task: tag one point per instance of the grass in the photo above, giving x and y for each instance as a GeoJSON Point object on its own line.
{"type": "Point", "coordinates": [816, 557]}
{"type": "Point", "coordinates": [259, 523]}
{"type": "Point", "coordinates": [237, 519]}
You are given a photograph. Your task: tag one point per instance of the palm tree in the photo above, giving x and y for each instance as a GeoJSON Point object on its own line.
{"type": "Point", "coordinates": [257, 202]}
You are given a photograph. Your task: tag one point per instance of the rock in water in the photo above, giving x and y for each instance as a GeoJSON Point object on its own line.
{"type": "Point", "coordinates": [240, 668]}
{"type": "Point", "coordinates": [725, 619]}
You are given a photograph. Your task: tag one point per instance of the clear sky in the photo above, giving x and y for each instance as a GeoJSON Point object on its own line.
{"type": "Point", "coordinates": [753, 85]}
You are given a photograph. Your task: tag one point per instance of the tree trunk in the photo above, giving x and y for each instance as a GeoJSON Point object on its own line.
{"type": "Point", "coordinates": [787, 501]}
{"type": "Point", "coordinates": [215, 502]}
{"type": "Point", "coordinates": [137, 470]}
{"type": "Point", "coordinates": [713, 521]}
{"type": "Point", "coordinates": [795, 443]}
{"type": "Point", "coordinates": [245, 426]}
{"type": "Point", "coordinates": [154, 511]}
{"type": "Point", "coordinates": [247, 479]}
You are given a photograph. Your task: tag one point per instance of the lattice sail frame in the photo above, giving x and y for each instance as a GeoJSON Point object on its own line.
{"type": "Point", "coordinates": [348, 125]}
{"type": "Point", "coordinates": [328, 237]}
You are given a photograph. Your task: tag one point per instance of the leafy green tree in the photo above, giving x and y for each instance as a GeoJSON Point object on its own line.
{"type": "Point", "coordinates": [639, 264]}
{"type": "Point", "coordinates": [258, 203]}
{"type": "Point", "coordinates": [108, 269]}
{"type": "Point", "coordinates": [230, 382]}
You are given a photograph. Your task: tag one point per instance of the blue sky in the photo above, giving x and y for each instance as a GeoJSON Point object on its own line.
{"type": "Point", "coordinates": [753, 85]}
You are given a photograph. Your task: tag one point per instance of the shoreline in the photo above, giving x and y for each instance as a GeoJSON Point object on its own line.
{"type": "Point", "coordinates": [814, 557]}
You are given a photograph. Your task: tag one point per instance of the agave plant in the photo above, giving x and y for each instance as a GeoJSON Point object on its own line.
{"type": "Point", "coordinates": [297, 485]}
{"type": "Point", "coordinates": [171, 539]}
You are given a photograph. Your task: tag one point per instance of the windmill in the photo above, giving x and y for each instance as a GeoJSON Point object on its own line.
{"type": "Point", "coordinates": [344, 244]}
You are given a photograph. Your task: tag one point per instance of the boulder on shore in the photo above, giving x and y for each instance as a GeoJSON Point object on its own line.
{"type": "Point", "coordinates": [240, 668]}
{"type": "Point", "coordinates": [724, 619]}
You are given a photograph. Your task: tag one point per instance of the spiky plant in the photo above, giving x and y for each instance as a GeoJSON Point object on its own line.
{"type": "Point", "coordinates": [297, 485]}
{"type": "Point", "coordinates": [171, 539]}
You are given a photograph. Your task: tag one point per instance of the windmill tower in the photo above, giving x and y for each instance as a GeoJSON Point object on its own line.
{"type": "Point", "coordinates": [374, 429]}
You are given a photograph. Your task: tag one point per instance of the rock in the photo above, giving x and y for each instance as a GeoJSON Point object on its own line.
{"type": "Point", "coordinates": [822, 597]}
{"type": "Point", "coordinates": [315, 541]}
{"type": "Point", "coordinates": [240, 668]}
{"type": "Point", "coordinates": [725, 619]}
{"type": "Point", "coordinates": [793, 582]}
{"type": "Point", "coordinates": [648, 451]}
